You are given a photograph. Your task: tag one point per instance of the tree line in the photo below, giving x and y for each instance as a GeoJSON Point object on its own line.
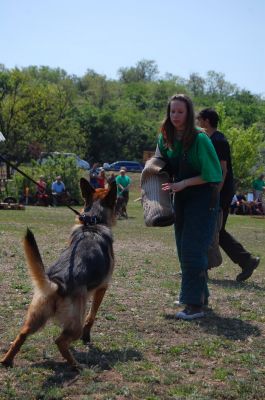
{"type": "Point", "coordinates": [104, 120]}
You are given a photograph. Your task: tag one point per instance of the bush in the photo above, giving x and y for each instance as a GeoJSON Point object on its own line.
{"type": "Point", "coordinates": [66, 167]}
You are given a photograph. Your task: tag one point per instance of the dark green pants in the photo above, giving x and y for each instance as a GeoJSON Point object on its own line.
{"type": "Point", "coordinates": [196, 213]}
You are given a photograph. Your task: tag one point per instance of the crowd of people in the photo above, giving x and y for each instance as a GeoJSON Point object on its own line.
{"type": "Point", "coordinates": [246, 204]}
{"type": "Point", "coordinates": [57, 193]}
{"type": "Point", "coordinates": [250, 203]}
{"type": "Point", "coordinates": [45, 195]}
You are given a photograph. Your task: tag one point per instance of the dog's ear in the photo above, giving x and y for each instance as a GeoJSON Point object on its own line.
{"type": "Point", "coordinates": [110, 199]}
{"type": "Point", "coordinates": [86, 190]}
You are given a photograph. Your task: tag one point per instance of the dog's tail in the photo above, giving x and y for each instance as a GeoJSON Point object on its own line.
{"type": "Point", "coordinates": [35, 264]}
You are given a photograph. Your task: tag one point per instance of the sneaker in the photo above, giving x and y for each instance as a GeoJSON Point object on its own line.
{"type": "Point", "coordinates": [178, 303]}
{"type": "Point", "coordinates": [205, 307]}
{"type": "Point", "coordinates": [189, 314]}
{"type": "Point", "coordinates": [248, 271]}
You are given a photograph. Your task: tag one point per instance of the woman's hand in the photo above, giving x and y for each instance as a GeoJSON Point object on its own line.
{"type": "Point", "coordinates": [174, 186]}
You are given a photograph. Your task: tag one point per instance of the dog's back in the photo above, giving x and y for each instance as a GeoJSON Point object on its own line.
{"type": "Point", "coordinates": [88, 261]}
{"type": "Point", "coordinates": [84, 267]}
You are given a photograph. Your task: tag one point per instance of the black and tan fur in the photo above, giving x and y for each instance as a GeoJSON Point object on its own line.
{"type": "Point", "coordinates": [83, 269]}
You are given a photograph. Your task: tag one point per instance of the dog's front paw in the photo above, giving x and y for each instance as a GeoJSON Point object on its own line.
{"type": "Point", "coordinates": [86, 337]}
{"type": "Point", "coordinates": [6, 363]}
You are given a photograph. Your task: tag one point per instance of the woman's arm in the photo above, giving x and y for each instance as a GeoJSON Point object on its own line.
{"type": "Point", "coordinates": [178, 186]}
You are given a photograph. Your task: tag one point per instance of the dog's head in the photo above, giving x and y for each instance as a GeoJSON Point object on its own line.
{"type": "Point", "coordinates": [99, 204]}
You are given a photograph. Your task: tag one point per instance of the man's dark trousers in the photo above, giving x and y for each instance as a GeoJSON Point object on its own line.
{"type": "Point", "coordinates": [235, 251]}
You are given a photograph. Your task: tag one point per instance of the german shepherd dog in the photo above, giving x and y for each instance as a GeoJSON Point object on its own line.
{"type": "Point", "coordinates": [83, 269]}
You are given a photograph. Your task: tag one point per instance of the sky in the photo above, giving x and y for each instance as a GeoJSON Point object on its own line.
{"type": "Point", "coordinates": [181, 36]}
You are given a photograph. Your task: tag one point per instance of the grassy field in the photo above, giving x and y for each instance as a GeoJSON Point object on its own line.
{"type": "Point", "coordinates": [139, 350]}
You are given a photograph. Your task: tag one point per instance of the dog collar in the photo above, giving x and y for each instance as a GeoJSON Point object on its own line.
{"type": "Point", "coordinates": [89, 219]}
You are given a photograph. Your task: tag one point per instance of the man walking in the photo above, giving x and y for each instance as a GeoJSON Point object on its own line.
{"type": "Point", "coordinates": [208, 119]}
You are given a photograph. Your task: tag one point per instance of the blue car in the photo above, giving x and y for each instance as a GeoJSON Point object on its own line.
{"type": "Point", "coordinates": [131, 166]}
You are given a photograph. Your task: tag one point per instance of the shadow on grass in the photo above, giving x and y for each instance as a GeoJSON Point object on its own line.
{"type": "Point", "coordinates": [230, 328]}
{"type": "Point", "coordinates": [94, 358]}
{"type": "Point", "coordinates": [229, 283]}
{"type": "Point", "coordinates": [104, 360]}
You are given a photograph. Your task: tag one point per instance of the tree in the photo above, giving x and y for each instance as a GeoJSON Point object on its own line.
{"type": "Point", "coordinates": [196, 84]}
{"type": "Point", "coordinates": [13, 120]}
{"type": "Point", "coordinates": [36, 114]}
{"type": "Point", "coordinates": [246, 146]}
{"type": "Point", "coordinates": [217, 85]}
{"type": "Point", "coordinates": [44, 109]}
{"type": "Point", "coordinates": [145, 70]}
{"type": "Point", "coordinates": [95, 88]}
{"type": "Point", "coordinates": [245, 108]}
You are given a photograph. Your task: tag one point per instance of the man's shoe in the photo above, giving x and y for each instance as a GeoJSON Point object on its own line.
{"type": "Point", "coordinates": [248, 271]}
{"type": "Point", "coordinates": [188, 314]}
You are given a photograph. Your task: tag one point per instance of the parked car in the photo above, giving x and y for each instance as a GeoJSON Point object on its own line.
{"type": "Point", "coordinates": [79, 162]}
{"type": "Point", "coordinates": [131, 166]}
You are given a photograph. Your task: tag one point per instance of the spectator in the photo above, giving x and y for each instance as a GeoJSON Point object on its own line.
{"type": "Point", "coordinates": [258, 186]}
{"type": "Point", "coordinates": [234, 205]}
{"type": "Point", "coordinates": [93, 176]}
{"type": "Point", "coordinates": [58, 190]}
{"type": "Point", "coordinates": [101, 178]}
{"type": "Point", "coordinates": [243, 205]}
{"type": "Point", "coordinates": [41, 192]}
{"type": "Point", "coordinates": [123, 182]}
{"type": "Point", "coordinates": [208, 119]}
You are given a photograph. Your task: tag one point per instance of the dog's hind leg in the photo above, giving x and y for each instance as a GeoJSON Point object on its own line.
{"type": "Point", "coordinates": [70, 313]}
{"type": "Point", "coordinates": [96, 301]}
{"type": "Point", "coordinates": [36, 318]}
{"type": "Point", "coordinates": [63, 342]}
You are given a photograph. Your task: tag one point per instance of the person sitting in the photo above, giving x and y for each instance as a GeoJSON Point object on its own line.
{"type": "Point", "coordinates": [58, 190]}
{"type": "Point", "coordinates": [246, 205]}
{"type": "Point", "coordinates": [41, 192]}
{"type": "Point", "coordinates": [257, 208]}
{"type": "Point", "coordinates": [234, 205]}
{"type": "Point", "coordinates": [242, 204]}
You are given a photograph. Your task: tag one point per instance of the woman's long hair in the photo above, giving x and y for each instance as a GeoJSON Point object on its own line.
{"type": "Point", "coordinates": [168, 130]}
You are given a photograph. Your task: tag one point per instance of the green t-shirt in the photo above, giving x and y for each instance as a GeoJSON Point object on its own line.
{"type": "Point", "coordinates": [258, 184]}
{"type": "Point", "coordinates": [122, 180]}
{"type": "Point", "coordinates": [201, 155]}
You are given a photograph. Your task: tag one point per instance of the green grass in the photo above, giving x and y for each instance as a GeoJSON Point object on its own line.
{"type": "Point", "coordinates": [139, 350]}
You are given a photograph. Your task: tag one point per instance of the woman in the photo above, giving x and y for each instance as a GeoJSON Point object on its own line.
{"type": "Point", "coordinates": [196, 171]}
{"type": "Point", "coordinates": [41, 192]}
